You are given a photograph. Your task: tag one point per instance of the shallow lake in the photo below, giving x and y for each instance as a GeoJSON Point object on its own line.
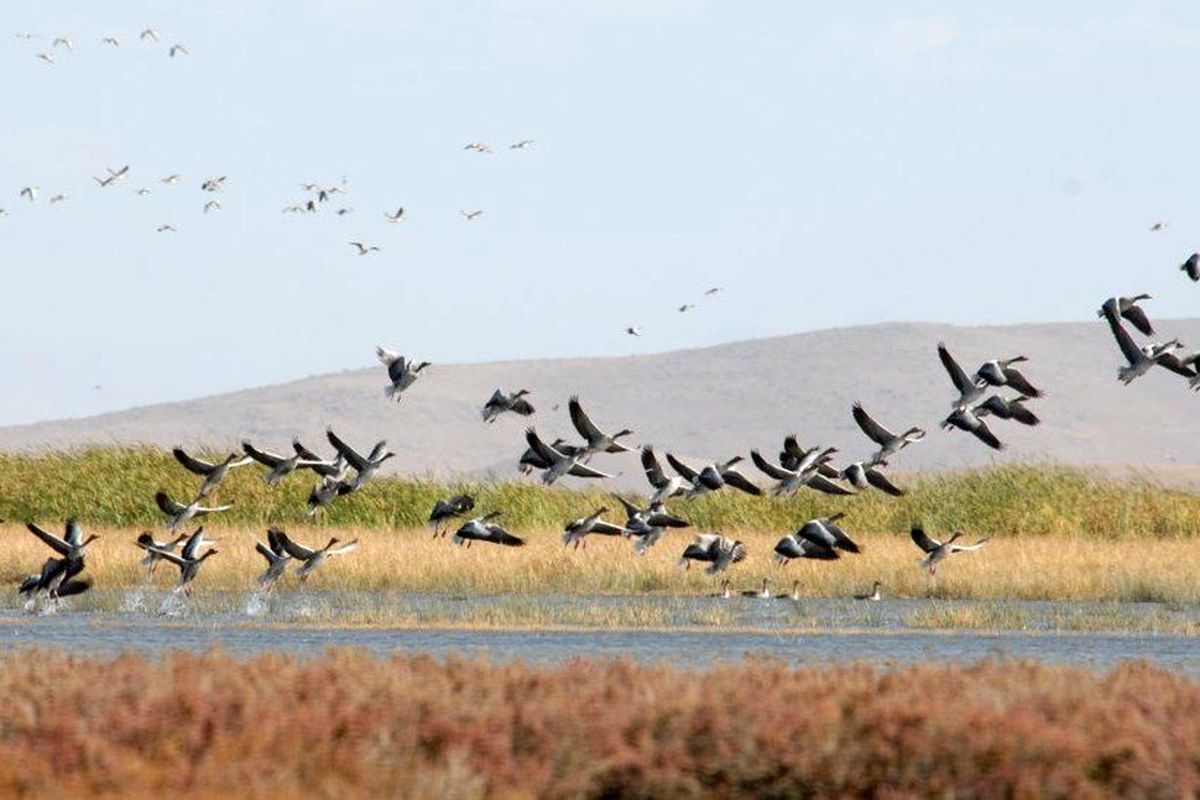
{"type": "Point", "coordinates": [306, 622]}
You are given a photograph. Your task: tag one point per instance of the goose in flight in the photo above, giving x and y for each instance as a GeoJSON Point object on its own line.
{"type": "Point", "coordinates": [1191, 267]}
{"type": "Point", "coordinates": [1002, 373]}
{"type": "Point", "coordinates": [889, 443]}
{"type": "Point", "coordinates": [49, 59]}
{"type": "Point", "coordinates": [664, 487]}
{"type": "Point", "coordinates": [718, 551]}
{"type": "Point", "coordinates": [792, 456]}
{"type": "Point", "coordinates": [1158, 226]}
{"type": "Point", "coordinates": [530, 460]}
{"type": "Point", "coordinates": [146, 541]}
{"type": "Point", "coordinates": [761, 594]}
{"type": "Point", "coordinates": [1128, 308]}
{"type": "Point", "coordinates": [500, 402]}
{"type": "Point", "coordinates": [402, 372]}
{"type": "Point", "coordinates": [177, 49]}
{"type": "Point", "coordinates": [30, 192]}
{"type": "Point", "coordinates": [444, 510]}
{"type": "Point", "coordinates": [213, 473]}
{"type": "Point", "coordinates": [713, 477]}
{"type": "Point", "coordinates": [560, 462]}
{"type": "Point", "coordinates": [577, 529]}
{"type": "Point", "coordinates": [276, 555]}
{"type": "Point", "coordinates": [58, 198]}
{"type": "Point", "coordinates": [875, 593]}
{"type": "Point", "coordinates": [212, 205]}
{"type": "Point", "coordinates": [213, 184]}
{"type": "Point", "coordinates": [825, 532]}
{"type": "Point", "coordinates": [478, 147]}
{"type": "Point", "coordinates": [1002, 408]}
{"type": "Point", "coordinates": [55, 580]}
{"type": "Point", "coordinates": [171, 180]}
{"type": "Point", "coordinates": [62, 41]}
{"type": "Point", "coordinates": [188, 561]}
{"type": "Point", "coordinates": [970, 391]}
{"type": "Point", "coordinates": [807, 473]}
{"type": "Point", "coordinates": [71, 545]}
{"type": "Point", "coordinates": [281, 466]}
{"type": "Point", "coordinates": [364, 249]}
{"type": "Point", "coordinates": [714, 290]}
{"type": "Point", "coordinates": [311, 558]}
{"type": "Point", "coordinates": [364, 467]}
{"type": "Point", "coordinates": [166, 228]}
{"type": "Point", "coordinates": [634, 330]}
{"type": "Point", "coordinates": [178, 513]}
{"type": "Point", "coordinates": [686, 307]}
{"type": "Point", "coordinates": [114, 41]}
{"type": "Point", "coordinates": [967, 420]}
{"type": "Point", "coordinates": [647, 525]}
{"type": "Point", "coordinates": [482, 529]}
{"type": "Point", "coordinates": [597, 440]}
{"type": "Point", "coordinates": [521, 145]}
{"type": "Point", "coordinates": [470, 215]}
{"type": "Point", "coordinates": [936, 552]}
{"type": "Point", "coordinates": [149, 34]}
{"type": "Point", "coordinates": [325, 492]}
{"type": "Point", "coordinates": [864, 475]}
{"type": "Point", "coordinates": [397, 217]}
{"type": "Point", "coordinates": [1140, 359]}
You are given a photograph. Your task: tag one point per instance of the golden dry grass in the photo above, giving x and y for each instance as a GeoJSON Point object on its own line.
{"type": "Point", "coordinates": [353, 725]}
{"type": "Point", "coordinates": [1052, 567]}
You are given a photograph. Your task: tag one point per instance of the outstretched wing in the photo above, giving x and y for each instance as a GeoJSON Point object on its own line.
{"type": "Point", "coordinates": [876, 432]}
{"type": "Point", "coordinates": [167, 505]}
{"type": "Point", "coordinates": [961, 382]}
{"type": "Point", "coordinates": [349, 453]}
{"type": "Point", "coordinates": [922, 539]}
{"type": "Point", "coordinates": [881, 482]}
{"type": "Point", "coordinates": [739, 481]}
{"type": "Point", "coordinates": [582, 422]}
{"type": "Point", "coordinates": [654, 470]}
{"type": "Point", "coordinates": [297, 551]}
{"type": "Point", "coordinates": [262, 456]}
{"type": "Point", "coordinates": [772, 471]}
{"type": "Point", "coordinates": [543, 451]}
{"type": "Point", "coordinates": [1137, 317]}
{"type": "Point", "coordinates": [192, 464]}
{"type": "Point", "coordinates": [683, 469]}
{"type": "Point", "coordinates": [55, 543]}
{"type": "Point", "coordinates": [1130, 350]}
{"type": "Point", "coordinates": [823, 484]}
{"type": "Point", "coordinates": [966, 548]}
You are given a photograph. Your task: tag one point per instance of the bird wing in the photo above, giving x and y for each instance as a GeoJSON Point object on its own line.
{"type": "Point", "coordinates": [193, 544]}
{"type": "Point", "coordinates": [275, 541]}
{"type": "Point", "coordinates": [1137, 317]}
{"type": "Point", "coordinates": [304, 453]}
{"type": "Point", "coordinates": [607, 528]}
{"type": "Point", "coordinates": [521, 406]}
{"type": "Point", "coordinates": [543, 451]}
{"type": "Point", "coordinates": [163, 554]}
{"type": "Point", "coordinates": [55, 543]}
{"type": "Point", "coordinates": [923, 540]}
{"type": "Point", "coordinates": [192, 464]}
{"type": "Point", "coordinates": [1176, 365]}
{"type": "Point", "coordinates": [262, 456]}
{"type": "Point", "coordinates": [74, 533]}
{"type": "Point", "coordinates": [984, 434]}
{"type": "Point", "coordinates": [587, 429]}
{"type": "Point", "coordinates": [771, 470]}
{"type": "Point", "coordinates": [1130, 350]}
{"type": "Point", "coordinates": [383, 354]}
{"type": "Point", "coordinates": [654, 470]}
{"type": "Point", "coordinates": [881, 482]}
{"type": "Point", "coordinates": [739, 481]}
{"type": "Point", "coordinates": [349, 453]}
{"type": "Point", "coordinates": [963, 383]}
{"type": "Point", "coordinates": [683, 469]}
{"type": "Point", "coordinates": [584, 471]}
{"type": "Point", "coordinates": [498, 535]}
{"type": "Point", "coordinates": [1018, 381]}
{"type": "Point", "coordinates": [297, 551]}
{"type": "Point", "coordinates": [966, 548]}
{"type": "Point", "coordinates": [342, 548]}
{"type": "Point", "coordinates": [265, 552]}
{"type": "Point", "coordinates": [876, 432]}
{"type": "Point", "coordinates": [823, 484]}
{"type": "Point", "coordinates": [167, 505]}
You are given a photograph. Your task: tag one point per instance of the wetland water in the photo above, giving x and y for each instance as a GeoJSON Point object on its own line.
{"type": "Point", "coordinates": [808, 632]}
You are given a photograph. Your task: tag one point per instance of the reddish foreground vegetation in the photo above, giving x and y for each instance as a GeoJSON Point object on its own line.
{"type": "Point", "coordinates": [351, 724]}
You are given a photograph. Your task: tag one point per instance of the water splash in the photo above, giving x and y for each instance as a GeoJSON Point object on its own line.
{"type": "Point", "coordinates": [173, 605]}
{"type": "Point", "coordinates": [258, 603]}
{"type": "Point", "coordinates": [135, 602]}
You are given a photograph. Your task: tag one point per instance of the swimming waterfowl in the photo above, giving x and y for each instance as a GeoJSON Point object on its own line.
{"type": "Point", "coordinates": [1128, 308]}
{"type": "Point", "coordinates": [402, 372]}
{"type": "Point", "coordinates": [726, 592]}
{"type": "Point", "coordinates": [1140, 359]}
{"type": "Point", "coordinates": [791, 547]}
{"type": "Point", "coordinates": [874, 594]}
{"type": "Point", "coordinates": [717, 550]}
{"type": "Point", "coordinates": [178, 513]}
{"type": "Point", "coordinates": [862, 475]}
{"type": "Point", "coordinates": [889, 443]}
{"type": "Point", "coordinates": [276, 555]}
{"type": "Point", "coordinates": [597, 440]}
{"type": "Point", "coordinates": [364, 467]}
{"type": "Point", "coordinates": [663, 486]}
{"type": "Point", "coordinates": [647, 525]}
{"type": "Point", "coordinates": [482, 529]}
{"type": "Point", "coordinates": [559, 462]}
{"type": "Point", "coordinates": [1191, 267]}
{"type": "Point", "coordinates": [577, 529]}
{"type": "Point", "coordinates": [1003, 408]}
{"type": "Point", "coordinates": [970, 391]}
{"type": "Point", "coordinates": [824, 531]}
{"type": "Point", "coordinates": [1000, 372]}
{"type": "Point", "coordinates": [793, 595]}
{"type": "Point", "coordinates": [499, 402]}
{"type": "Point", "coordinates": [937, 551]}
{"type": "Point", "coordinates": [213, 473]}
{"type": "Point", "coordinates": [145, 540]}
{"type": "Point", "coordinates": [762, 594]}
{"type": "Point", "coordinates": [444, 510]}
{"type": "Point", "coordinates": [713, 477]}
{"type": "Point", "coordinates": [806, 474]}
{"type": "Point", "coordinates": [964, 419]}
{"type": "Point", "coordinates": [311, 558]}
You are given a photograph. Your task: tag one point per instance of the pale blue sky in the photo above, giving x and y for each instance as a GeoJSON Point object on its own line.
{"type": "Point", "coordinates": [829, 164]}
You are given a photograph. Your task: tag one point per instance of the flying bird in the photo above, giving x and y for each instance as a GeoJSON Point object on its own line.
{"type": "Point", "coordinates": [1192, 266]}
{"type": "Point", "coordinates": [178, 513]}
{"type": "Point", "coordinates": [364, 249]}
{"type": "Point", "coordinates": [597, 440]}
{"type": "Point", "coordinates": [1128, 308]}
{"type": "Point", "coordinates": [713, 477]}
{"type": "Point", "coordinates": [936, 552]}
{"type": "Point", "coordinates": [30, 192]}
{"type": "Point", "coordinates": [889, 443]}
{"type": "Point", "coordinates": [718, 551]}
{"type": "Point", "coordinates": [634, 331]}
{"type": "Point", "coordinates": [499, 403]}
{"type": "Point", "coordinates": [521, 145]}
{"type": "Point", "coordinates": [967, 420]}
{"type": "Point", "coordinates": [560, 462]}
{"type": "Point", "coordinates": [470, 215]}
{"type": "Point", "coordinates": [970, 390]}
{"type": "Point", "coordinates": [1002, 373]}
{"type": "Point", "coordinates": [482, 529]}
{"type": "Point", "coordinates": [402, 372]}
{"type": "Point", "coordinates": [396, 217]}
{"type": "Point", "coordinates": [177, 49]}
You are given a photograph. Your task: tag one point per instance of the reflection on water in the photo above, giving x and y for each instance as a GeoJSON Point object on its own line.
{"type": "Point", "coordinates": [301, 622]}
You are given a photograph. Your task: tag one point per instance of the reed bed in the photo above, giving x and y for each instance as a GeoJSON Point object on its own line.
{"type": "Point", "coordinates": [1051, 567]}
{"type": "Point", "coordinates": [351, 724]}
{"type": "Point", "coordinates": [115, 487]}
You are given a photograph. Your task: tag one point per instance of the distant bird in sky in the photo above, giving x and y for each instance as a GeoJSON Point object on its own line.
{"type": "Point", "coordinates": [521, 145]}
{"type": "Point", "coordinates": [171, 179]}
{"type": "Point", "coordinates": [58, 198]}
{"type": "Point", "coordinates": [634, 331]}
{"type": "Point", "coordinates": [470, 215]}
{"type": "Point", "coordinates": [177, 49]}
{"type": "Point", "coordinates": [1158, 226]}
{"type": "Point", "coordinates": [213, 184]}
{"type": "Point", "coordinates": [30, 192]}
{"type": "Point", "coordinates": [166, 228]}
{"type": "Point", "coordinates": [341, 212]}
{"type": "Point", "coordinates": [148, 34]}
{"type": "Point", "coordinates": [62, 41]}
{"type": "Point", "coordinates": [212, 205]}
{"type": "Point", "coordinates": [364, 249]}
{"type": "Point", "coordinates": [399, 215]}
{"type": "Point", "coordinates": [713, 290]}
{"type": "Point", "coordinates": [3, 212]}
{"type": "Point", "coordinates": [478, 147]}
{"type": "Point", "coordinates": [1192, 266]}
{"type": "Point", "coordinates": [114, 41]}
{"type": "Point", "coordinates": [686, 307]}
{"type": "Point", "coordinates": [49, 59]}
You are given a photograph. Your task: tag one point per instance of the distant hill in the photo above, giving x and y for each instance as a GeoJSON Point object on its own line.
{"type": "Point", "coordinates": [707, 403]}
